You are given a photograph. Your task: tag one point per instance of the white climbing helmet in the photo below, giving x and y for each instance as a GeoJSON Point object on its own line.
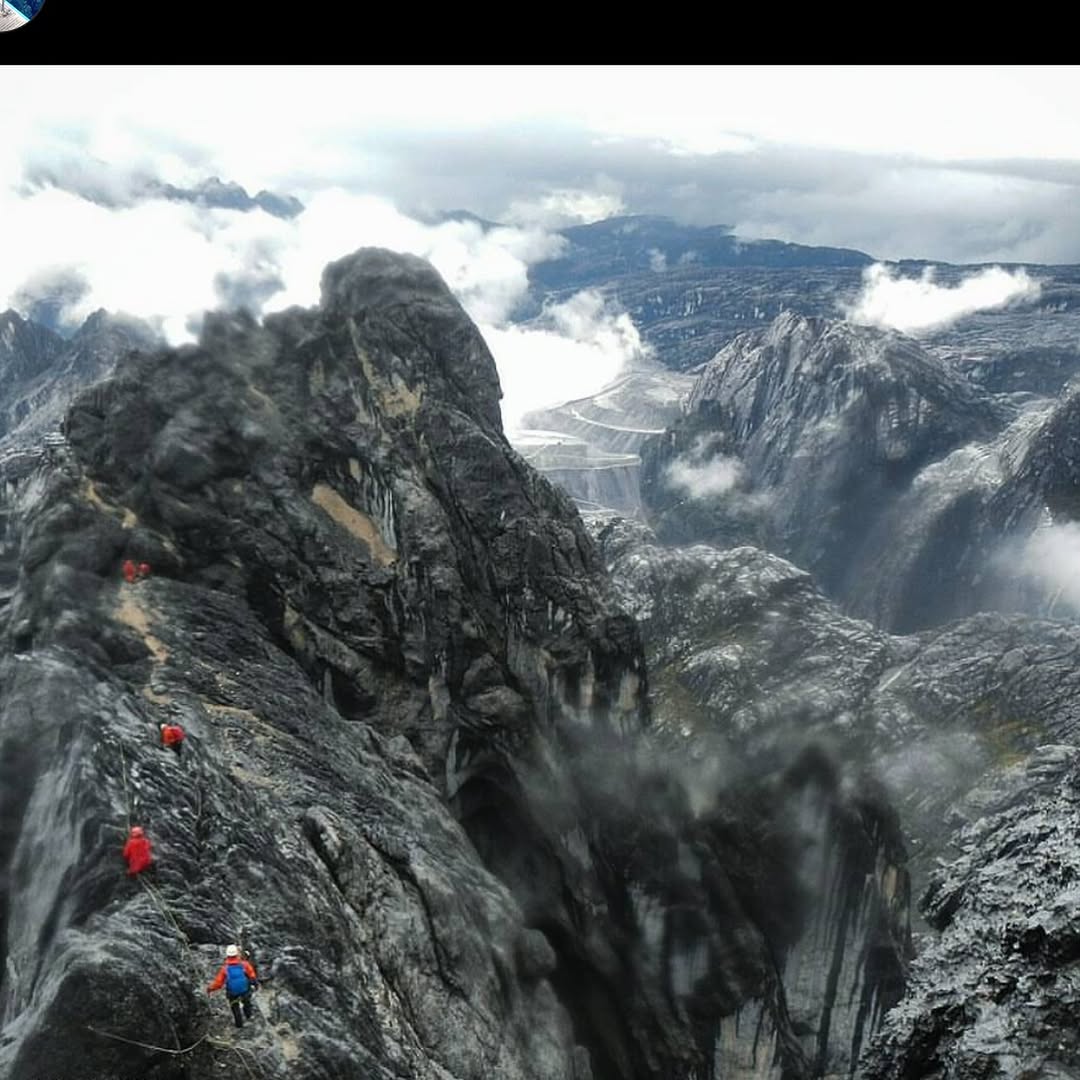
{"type": "Point", "coordinates": [232, 950]}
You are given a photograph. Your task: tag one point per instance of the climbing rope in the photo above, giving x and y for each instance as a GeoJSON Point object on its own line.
{"type": "Point", "coordinates": [163, 907]}
{"type": "Point", "coordinates": [127, 793]}
{"type": "Point", "coordinates": [165, 910]}
{"type": "Point", "coordinates": [214, 1041]}
{"type": "Point", "coordinates": [221, 1044]}
{"type": "Point", "coordinates": [147, 1046]}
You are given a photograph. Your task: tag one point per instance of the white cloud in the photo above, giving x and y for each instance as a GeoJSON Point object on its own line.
{"type": "Point", "coordinates": [487, 270]}
{"type": "Point", "coordinates": [701, 474]}
{"type": "Point", "coordinates": [657, 261]}
{"type": "Point", "coordinates": [1051, 559]}
{"type": "Point", "coordinates": [706, 479]}
{"type": "Point", "coordinates": [169, 262]}
{"type": "Point", "coordinates": [260, 121]}
{"type": "Point", "coordinates": [573, 350]}
{"type": "Point", "coordinates": [156, 259]}
{"type": "Point", "coordinates": [159, 259]}
{"type": "Point", "coordinates": [914, 304]}
{"type": "Point", "coordinates": [564, 207]}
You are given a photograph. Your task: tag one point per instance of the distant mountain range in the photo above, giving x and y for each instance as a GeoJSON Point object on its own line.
{"type": "Point", "coordinates": [95, 182]}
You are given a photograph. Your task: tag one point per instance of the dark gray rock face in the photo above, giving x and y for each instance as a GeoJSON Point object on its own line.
{"type": "Point", "coordinates": [41, 372]}
{"type": "Point", "coordinates": [765, 686]}
{"type": "Point", "coordinates": [754, 671]}
{"type": "Point", "coordinates": [828, 424]}
{"type": "Point", "coordinates": [347, 556]}
{"type": "Point", "coordinates": [26, 350]}
{"type": "Point", "coordinates": [419, 786]}
{"type": "Point", "coordinates": [994, 996]}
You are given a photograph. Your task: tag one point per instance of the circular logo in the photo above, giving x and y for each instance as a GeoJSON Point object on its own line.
{"type": "Point", "coordinates": [16, 13]}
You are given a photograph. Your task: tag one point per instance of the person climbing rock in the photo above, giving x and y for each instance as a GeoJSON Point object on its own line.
{"type": "Point", "coordinates": [172, 736]}
{"type": "Point", "coordinates": [239, 979]}
{"type": "Point", "coordinates": [143, 570]}
{"type": "Point", "coordinates": [130, 570]}
{"type": "Point", "coordinates": [137, 851]}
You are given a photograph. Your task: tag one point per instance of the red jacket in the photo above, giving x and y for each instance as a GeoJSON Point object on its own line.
{"type": "Point", "coordinates": [172, 733]}
{"type": "Point", "coordinates": [137, 853]}
{"type": "Point", "coordinates": [129, 570]}
{"type": "Point", "coordinates": [219, 978]}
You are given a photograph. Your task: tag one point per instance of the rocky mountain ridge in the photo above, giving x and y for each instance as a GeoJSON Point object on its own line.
{"type": "Point", "coordinates": [483, 796]}
{"type": "Point", "coordinates": [421, 786]}
{"type": "Point", "coordinates": [41, 371]}
{"type": "Point", "coordinates": [899, 482]}
{"type": "Point", "coordinates": [968, 731]}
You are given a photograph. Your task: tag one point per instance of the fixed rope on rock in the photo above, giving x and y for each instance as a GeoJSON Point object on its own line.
{"type": "Point", "coordinates": [146, 1046]}
{"type": "Point", "coordinates": [127, 793]}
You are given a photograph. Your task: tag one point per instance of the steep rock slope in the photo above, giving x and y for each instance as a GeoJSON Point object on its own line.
{"type": "Point", "coordinates": [305, 614]}
{"type": "Point", "coordinates": [766, 686]}
{"type": "Point", "coordinates": [826, 426]}
{"type": "Point", "coordinates": [26, 350]}
{"type": "Point", "coordinates": [41, 372]}
{"type": "Point", "coordinates": [994, 996]}
{"type": "Point", "coordinates": [417, 787]}
{"type": "Point", "coordinates": [956, 728]}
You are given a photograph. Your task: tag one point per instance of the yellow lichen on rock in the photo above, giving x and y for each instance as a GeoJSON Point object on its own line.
{"type": "Point", "coordinates": [396, 398]}
{"type": "Point", "coordinates": [93, 496]}
{"type": "Point", "coordinates": [358, 524]}
{"type": "Point", "coordinates": [131, 613]}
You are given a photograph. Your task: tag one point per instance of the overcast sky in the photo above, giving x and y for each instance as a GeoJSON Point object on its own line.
{"type": "Point", "coordinates": [957, 164]}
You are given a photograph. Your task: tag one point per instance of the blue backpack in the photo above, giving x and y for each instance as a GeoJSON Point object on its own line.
{"type": "Point", "coordinates": [236, 980]}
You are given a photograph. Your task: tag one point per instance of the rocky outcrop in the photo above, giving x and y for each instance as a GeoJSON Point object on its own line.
{"type": "Point", "coordinates": [994, 994]}
{"type": "Point", "coordinates": [349, 563]}
{"type": "Point", "coordinates": [754, 672]}
{"type": "Point", "coordinates": [826, 429]}
{"type": "Point", "coordinates": [764, 686]}
{"type": "Point", "coordinates": [41, 372]}
{"type": "Point", "coordinates": [26, 350]}
{"type": "Point", "coordinates": [420, 785]}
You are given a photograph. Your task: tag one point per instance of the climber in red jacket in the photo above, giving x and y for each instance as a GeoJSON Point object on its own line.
{"type": "Point", "coordinates": [172, 736]}
{"type": "Point", "coordinates": [137, 851]}
{"type": "Point", "coordinates": [130, 570]}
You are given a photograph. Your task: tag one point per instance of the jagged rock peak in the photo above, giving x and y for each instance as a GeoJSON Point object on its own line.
{"type": "Point", "coordinates": [380, 629]}
{"type": "Point", "coordinates": [378, 277]}
{"type": "Point", "coordinates": [407, 292]}
{"type": "Point", "coordinates": [825, 425]}
{"type": "Point", "coordinates": [799, 347]}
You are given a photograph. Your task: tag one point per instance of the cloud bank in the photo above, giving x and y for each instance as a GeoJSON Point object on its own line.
{"type": "Point", "coordinates": [968, 165]}
{"type": "Point", "coordinates": [533, 148]}
{"type": "Point", "coordinates": [169, 262]}
{"type": "Point", "coordinates": [912, 305]}
{"type": "Point", "coordinates": [571, 351]}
